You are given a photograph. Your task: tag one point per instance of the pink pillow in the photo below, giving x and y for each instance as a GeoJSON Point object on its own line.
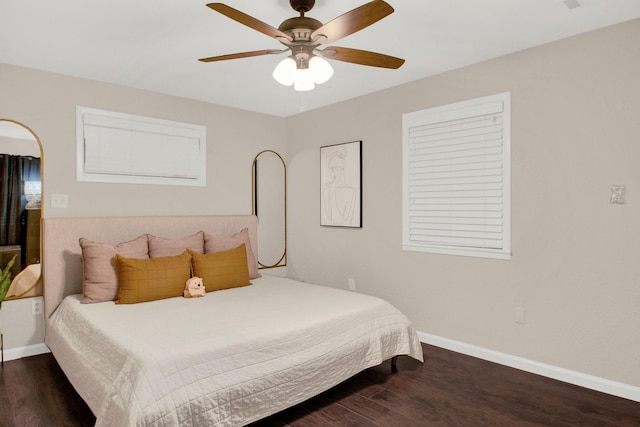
{"type": "Point", "coordinates": [100, 280]}
{"type": "Point", "coordinates": [213, 244]}
{"type": "Point", "coordinates": [160, 247]}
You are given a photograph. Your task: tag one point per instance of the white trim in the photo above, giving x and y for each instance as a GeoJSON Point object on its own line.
{"type": "Point", "coordinates": [592, 382]}
{"type": "Point", "coordinates": [30, 350]}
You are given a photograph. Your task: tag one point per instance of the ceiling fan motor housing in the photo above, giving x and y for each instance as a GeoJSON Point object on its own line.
{"type": "Point", "coordinates": [300, 28]}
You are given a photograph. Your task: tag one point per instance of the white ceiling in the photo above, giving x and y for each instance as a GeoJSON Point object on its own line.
{"type": "Point", "coordinates": [154, 45]}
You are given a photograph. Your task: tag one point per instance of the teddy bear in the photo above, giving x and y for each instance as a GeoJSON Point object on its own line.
{"type": "Point", "coordinates": [194, 288]}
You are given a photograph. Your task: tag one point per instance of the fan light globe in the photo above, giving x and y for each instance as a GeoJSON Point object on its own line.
{"type": "Point", "coordinates": [321, 69]}
{"type": "Point", "coordinates": [285, 71]}
{"type": "Point", "coordinates": [304, 80]}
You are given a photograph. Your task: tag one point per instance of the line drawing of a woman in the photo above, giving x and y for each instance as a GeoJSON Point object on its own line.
{"type": "Point", "coordinates": [339, 197]}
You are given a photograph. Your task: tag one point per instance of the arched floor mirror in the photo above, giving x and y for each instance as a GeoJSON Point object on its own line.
{"type": "Point", "coordinates": [269, 204]}
{"type": "Point", "coordinates": [20, 200]}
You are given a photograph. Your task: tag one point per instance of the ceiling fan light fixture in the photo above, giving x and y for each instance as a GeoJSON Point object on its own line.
{"type": "Point", "coordinates": [304, 80]}
{"type": "Point", "coordinates": [285, 71]}
{"type": "Point", "coordinates": [321, 69]}
{"type": "Point", "coordinates": [303, 35]}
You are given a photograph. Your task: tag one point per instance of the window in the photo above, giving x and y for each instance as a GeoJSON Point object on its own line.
{"type": "Point", "coordinates": [123, 148]}
{"type": "Point", "coordinates": [457, 178]}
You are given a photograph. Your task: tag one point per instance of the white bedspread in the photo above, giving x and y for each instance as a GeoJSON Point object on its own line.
{"type": "Point", "coordinates": [227, 359]}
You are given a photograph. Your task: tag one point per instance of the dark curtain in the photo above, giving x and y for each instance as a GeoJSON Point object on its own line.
{"type": "Point", "coordinates": [14, 170]}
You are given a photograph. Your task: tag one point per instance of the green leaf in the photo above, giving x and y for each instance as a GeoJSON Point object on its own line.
{"type": "Point", "coordinates": [5, 279]}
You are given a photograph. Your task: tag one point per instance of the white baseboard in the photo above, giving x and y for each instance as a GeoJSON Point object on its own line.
{"type": "Point", "coordinates": [572, 377]}
{"type": "Point", "coordinates": [20, 352]}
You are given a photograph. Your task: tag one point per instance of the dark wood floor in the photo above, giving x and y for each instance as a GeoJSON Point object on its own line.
{"type": "Point", "coordinates": [449, 389]}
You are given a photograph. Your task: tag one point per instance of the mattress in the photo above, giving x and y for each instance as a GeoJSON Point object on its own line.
{"type": "Point", "coordinates": [227, 359]}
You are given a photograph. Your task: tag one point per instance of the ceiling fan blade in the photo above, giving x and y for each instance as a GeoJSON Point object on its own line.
{"type": "Point", "coordinates": [352, 21]}
{"type": "Point", "coordinates": [361, 57]}
{"type": "Point", "coordinates": [242, 55]}
{"type": "Point", "coordinates": [249, 21]}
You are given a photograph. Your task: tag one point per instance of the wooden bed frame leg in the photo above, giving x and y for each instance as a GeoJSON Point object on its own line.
{"type": "Point", "coordinates": [394, 364]}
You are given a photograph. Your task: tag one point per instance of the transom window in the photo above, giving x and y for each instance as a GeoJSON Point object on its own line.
{"type": "Point", "coordinates": [118, 147]}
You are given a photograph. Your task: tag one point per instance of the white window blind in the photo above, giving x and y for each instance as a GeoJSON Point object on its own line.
{"type": "Point", "coordinates": [457, 178]}
{"type": "Point", "coordinates": [117, 147]}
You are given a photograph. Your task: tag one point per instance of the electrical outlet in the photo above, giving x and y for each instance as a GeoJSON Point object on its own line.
{"type": "Point", "coordinates": [520, 316]}
{"type": "Point", "coordinates": [352, 284]}
{"type": "Point", "coordinates": [36, 306]}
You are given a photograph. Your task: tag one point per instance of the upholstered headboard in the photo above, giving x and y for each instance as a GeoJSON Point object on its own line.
{"type": "Point", "coordinates": [61, 253]}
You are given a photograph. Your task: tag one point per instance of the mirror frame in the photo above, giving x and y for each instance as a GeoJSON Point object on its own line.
{"type": "Point", "coordinates": [37, 140]}
{"type": "Point", "coordinates": [282, 262]}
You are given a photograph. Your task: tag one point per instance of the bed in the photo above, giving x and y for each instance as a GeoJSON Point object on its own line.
{"type": "Point", "coordinates": [230, 358]}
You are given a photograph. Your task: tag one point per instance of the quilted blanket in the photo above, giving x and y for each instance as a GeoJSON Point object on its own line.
{"type": "Point", "coordinates": [227, 359]}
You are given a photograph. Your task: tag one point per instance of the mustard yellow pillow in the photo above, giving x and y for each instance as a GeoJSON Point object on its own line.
{"type": "Point", "coordinates": [224, 243]}
{"type": "Point", "coordinates": [141, 280]}
{"type": "Point", "coordinates": [222, 270]}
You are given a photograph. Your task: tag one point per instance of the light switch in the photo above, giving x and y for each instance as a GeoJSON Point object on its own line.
{"type": "Point", "coordinates": [59, 201]}
{"type": "Point", "coordinates": [617, 194]}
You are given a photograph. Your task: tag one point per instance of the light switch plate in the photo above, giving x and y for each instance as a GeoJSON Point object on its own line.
{"type": "Point", "coordinates": [617, 194]}
{"type": "Point", "coordinates": [59, 201]}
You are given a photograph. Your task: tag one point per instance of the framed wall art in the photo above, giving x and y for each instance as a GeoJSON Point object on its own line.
{"type": "Point", "coordinates": [341, 185]}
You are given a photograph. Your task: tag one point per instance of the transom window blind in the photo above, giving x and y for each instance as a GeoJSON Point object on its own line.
{"type": "Point", "coordinates": [457, 178]}
{"type": "Point", "coordinates": [117, 147]}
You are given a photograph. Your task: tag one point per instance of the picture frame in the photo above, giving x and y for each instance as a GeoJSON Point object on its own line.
{"type": "Point", "coordinates": [341, 185]}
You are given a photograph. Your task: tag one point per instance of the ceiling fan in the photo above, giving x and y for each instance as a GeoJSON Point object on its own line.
{"type": "Point", "coordinates": [303, 36]}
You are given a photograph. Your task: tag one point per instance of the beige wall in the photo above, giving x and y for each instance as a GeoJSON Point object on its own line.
{"type": "Point", "coordinates": [19, 147]}
{"type": "Point", "coordinates": [575, 269]}
{"type": "Point", "coordinates": [47, 102]}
